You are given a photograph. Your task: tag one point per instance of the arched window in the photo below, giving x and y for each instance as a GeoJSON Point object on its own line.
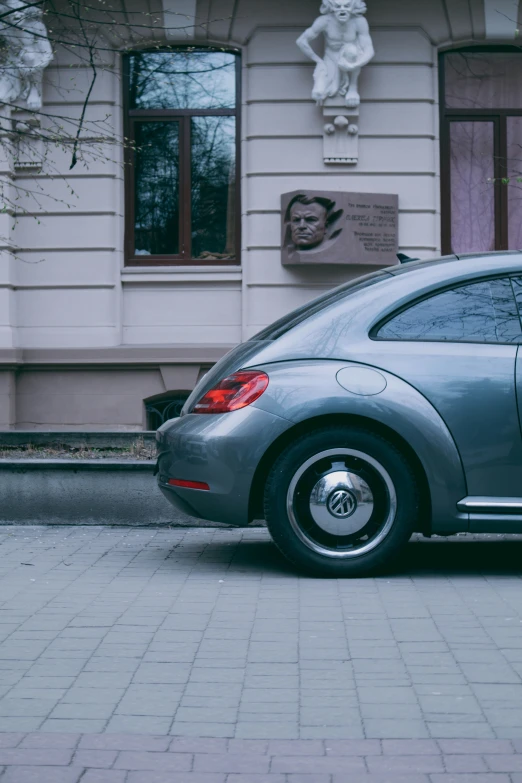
{"type": "Point", "coordinates": [182, 174]}
{"type": "Point", "coordinates": [481, 149]}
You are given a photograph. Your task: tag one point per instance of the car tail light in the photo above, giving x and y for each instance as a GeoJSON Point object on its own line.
{"type": "Point", "coordinates": [237, 391]}
{"type": "Point", "coordinates": [189, 484]}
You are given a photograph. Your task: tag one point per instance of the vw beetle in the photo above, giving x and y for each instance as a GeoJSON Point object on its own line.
{"type": "Point", "coordinates": [388, 406]}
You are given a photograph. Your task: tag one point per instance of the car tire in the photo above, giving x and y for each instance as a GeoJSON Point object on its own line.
{"type": "Point", "coordinates": [341, 502]}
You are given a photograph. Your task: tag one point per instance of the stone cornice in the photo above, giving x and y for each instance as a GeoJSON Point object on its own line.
{"type": "Point", "coordinates": [117, 356]}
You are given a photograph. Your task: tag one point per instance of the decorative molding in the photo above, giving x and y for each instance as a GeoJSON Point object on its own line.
{"type": "Point", "coordinates": [348, 47]}
{"type": "Point", "coordinates": [26, 52]}
{"type": "Point", "coordinates": [179, 19]}
{"type": "Point", "coordinates": [501, 19]}
{"type": "Point", "coordinates": [112, 356]}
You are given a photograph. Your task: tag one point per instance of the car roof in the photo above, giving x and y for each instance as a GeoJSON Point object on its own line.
{"type": "Point", "coordinates": [350, 314]}
{"type": "Point", "coordinates": [498, 257]}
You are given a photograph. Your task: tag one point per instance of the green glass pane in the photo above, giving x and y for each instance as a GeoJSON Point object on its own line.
{"type": "Point", "coordinates": [213, 188]}
{"type": "Point", "coordinates": [156, 189]}
{"type": "Point", "coordinates": [182, 79]}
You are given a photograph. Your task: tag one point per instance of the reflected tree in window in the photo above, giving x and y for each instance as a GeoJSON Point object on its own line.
{"type": "Point", "coordinates": [156, 228]}
{"type": "Point", "coordinates": [182, 79]}
{"type": "Point", "coordinates": [213, 187]}
{"type": "Point", "coordinates": [183, 118]}
{"type": "Point", "coordinates": [484, 312]}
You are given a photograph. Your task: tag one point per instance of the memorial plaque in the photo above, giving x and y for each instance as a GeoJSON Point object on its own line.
{"type": "Point", "coordinates": [331, 227]}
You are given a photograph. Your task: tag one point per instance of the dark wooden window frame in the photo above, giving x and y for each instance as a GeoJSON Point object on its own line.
{"type": "Point", "coordinates": [499, 119]}
{"type": "Point", "coordinates": [183, 117]}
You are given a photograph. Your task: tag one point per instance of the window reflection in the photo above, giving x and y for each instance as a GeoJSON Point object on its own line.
{"type": "Point", "coordinates": [483, 80]}
{"type": "Point", "coordinates": [472, 188]}
{"type": "Point", "coordinates": [484, 312]}
{"type": "Point", "coordinates": [156, 188]}
{"type": "Point", "coordinates": [182, 79]}
{"type": "Point", "coordinates": [514, 174]}
{"type": "Point", "coordinates": [517, 288]}
{"type": "Point", "coordinates": [213, 187]}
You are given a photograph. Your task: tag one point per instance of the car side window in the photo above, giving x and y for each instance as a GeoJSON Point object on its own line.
{"type": "Point", "coordinates": [517, 288]}
{"type": "Point", "coordinates": [483, 312]}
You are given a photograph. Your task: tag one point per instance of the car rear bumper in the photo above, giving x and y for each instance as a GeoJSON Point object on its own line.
{"type": "Point", "coordinates": [222, 451]}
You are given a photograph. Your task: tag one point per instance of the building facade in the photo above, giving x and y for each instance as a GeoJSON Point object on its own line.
{"type": "Point", "coordinates": [125, 277]}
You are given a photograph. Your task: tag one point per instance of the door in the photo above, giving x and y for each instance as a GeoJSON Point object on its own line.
{"type": "Point", "coordinates": [458, 347]}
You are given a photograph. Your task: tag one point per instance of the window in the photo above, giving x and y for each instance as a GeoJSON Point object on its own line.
{"type": "Point", "coordinates": [163, 407]}
{"type": "Point", "coordinates": [481, 144]}
{"type": "Point", "coordinates": [182, 173]}
{"type": "Point", "coordinates": [483, 312]}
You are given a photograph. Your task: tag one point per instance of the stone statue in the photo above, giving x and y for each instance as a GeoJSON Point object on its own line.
{"type": "Point", "coordinates": [25, 52]}
{"type": "Point", "coordinates": [348, 47]}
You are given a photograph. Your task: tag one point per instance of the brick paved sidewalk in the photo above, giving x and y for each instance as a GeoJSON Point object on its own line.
{"type": "Point", "coordinates": [113, 758]}
{"type": "Point", "coordinates": [209, 633]}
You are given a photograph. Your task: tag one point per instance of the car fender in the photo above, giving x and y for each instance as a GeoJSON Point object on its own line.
{"type": "Point", "coordinates": [305, 390]}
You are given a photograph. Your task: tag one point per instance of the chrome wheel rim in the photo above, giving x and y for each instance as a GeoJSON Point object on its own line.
{"type": "Point", "coordinates": [341, 503]}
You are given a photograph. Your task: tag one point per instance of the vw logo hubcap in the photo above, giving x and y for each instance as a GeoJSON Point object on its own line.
{"type": "Point", "coordinates": [341, 504]}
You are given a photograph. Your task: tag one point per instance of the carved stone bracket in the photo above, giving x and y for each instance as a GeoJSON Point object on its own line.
{"type": "Point", "coordinates": [348, 48]}
{"type": "Point", "coordinates": [340, 132]}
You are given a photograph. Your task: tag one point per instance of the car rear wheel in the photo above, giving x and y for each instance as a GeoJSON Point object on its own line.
{"type": "Point", "coordinates": [341, 502]}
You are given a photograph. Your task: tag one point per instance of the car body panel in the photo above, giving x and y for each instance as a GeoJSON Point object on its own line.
{"type": "Point", "coordinates": [309, 390]}
{"type": "Point", "coordinates": [472, 386]}
{"type": "Point", "coordinates": [221, 450]}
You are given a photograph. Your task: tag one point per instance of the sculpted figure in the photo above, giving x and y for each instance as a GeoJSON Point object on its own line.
{"type": "Point", "coordinates": [348, 47]}
{"type": "Point", "coordinates": [25, 52]}
{"type": "Point", "coordinates": [310, 220]}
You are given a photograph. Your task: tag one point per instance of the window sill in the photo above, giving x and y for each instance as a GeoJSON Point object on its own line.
{"type": "Point", "coordinates": [181, 274]}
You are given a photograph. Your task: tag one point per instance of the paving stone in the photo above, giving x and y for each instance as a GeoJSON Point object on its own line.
{"type": "Point", "coordinates": [486, 777]}
{"type": "Point", "coordinates": [199, 745]}
{"type": "Point", "coordinates": [173, 777]}
{"type": "Point", "coordinates": [163, 762]}
{"type": "Point", "coordinates": [452, 746]}
{"type": "Point", "coordinates": [104, 776]}
{"type": "Point", "coordinates": [352, 747]}
{"type": "Point", "coordinates": [21, 774]}
{"type": "Point", "coordinates": [511, 762]}
{"type": "Point", "coordinates": [11, 740]}
{"type": "Point", "coordinates": [319, 764]}
{"type": "Point", "coordinates": [465, 763]}
{"type": "Point", "coordinates": [35, 757]}
{"type": "Point", "coordinates": [104, 759]}
{"type": "Point", "coordinates": [80, 726]}
{"type": "Point", "coordinates": [44, 740]}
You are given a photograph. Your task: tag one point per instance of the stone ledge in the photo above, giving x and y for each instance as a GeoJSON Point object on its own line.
{"type": "Point", "coordinates": [118, 355]}
{"type": "Point", "coordinates": [22, 465]}
{"type": "Point", "coordinates": [109, 439]}
{"type": "Point", "coordinates": [86, 492]}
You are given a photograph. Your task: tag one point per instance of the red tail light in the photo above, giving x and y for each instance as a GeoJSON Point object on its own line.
{"type": "Point", "coordinates": [237, 391]}
{"type": "Point", "coordinates": [189, 484]}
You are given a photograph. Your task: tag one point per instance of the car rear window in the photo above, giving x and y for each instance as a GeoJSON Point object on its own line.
{"type": "Point", "coordinates": [283, 325]}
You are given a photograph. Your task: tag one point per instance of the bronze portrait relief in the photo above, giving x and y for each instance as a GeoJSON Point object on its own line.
{"type": "Point", "coordinates": [311, 222]}
{"type": "Point", "coordinates": [320, 227]}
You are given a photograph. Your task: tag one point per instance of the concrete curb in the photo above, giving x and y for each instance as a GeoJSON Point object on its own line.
{"type": "Point", "coordinates": [85, 492]}
{"type": "Point", "coordinates": [94, 440]}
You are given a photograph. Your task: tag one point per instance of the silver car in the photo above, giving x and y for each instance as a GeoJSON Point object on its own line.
{"type": "Point", "coordinates": [387, 406]}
